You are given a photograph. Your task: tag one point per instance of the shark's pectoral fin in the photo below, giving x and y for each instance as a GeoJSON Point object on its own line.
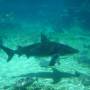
{"type": "Point", "coordinates": [56, 80]}
{"type": "Point", "coordinates": [27, 56]}
{"type": "Point", "coordinates": [53, 60]}
{"type": "Point", "coordinates": [56, 75]}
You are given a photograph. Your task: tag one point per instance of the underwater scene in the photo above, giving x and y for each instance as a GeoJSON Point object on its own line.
{"type": "Point", "coordinates": [44, 44]}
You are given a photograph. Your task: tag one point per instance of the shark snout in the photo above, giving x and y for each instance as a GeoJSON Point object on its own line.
{"type": "Point", "coordinates": [74, 51]}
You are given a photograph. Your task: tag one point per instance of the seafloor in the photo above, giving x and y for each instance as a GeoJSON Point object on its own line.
{"type": "Point", "coordinates": [27, 33]}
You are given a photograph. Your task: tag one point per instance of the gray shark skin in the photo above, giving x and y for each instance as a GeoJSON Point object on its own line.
{"type": "Point", "coordinates": [56, 75]}
{"type": "Point", "coordinates": [41, 49]}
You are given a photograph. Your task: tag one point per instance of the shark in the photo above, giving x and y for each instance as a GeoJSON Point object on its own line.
{"type": "Point", "coordinates": [55, 75]}
{"type": "Point", "coordinates": [44, 48]}
{"type": "Point", "coordinates": [25, 80]}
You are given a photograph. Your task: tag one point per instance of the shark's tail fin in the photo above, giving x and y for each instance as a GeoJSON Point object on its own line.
{"type": "Point", "coordinates": [9, 51]}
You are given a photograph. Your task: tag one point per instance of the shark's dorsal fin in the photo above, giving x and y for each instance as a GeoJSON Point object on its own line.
{"type": "Point", "coordinates": [44, 39]}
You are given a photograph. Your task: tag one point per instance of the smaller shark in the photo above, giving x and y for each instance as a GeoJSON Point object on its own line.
{"type": "Point", "coordinates": [41, 49]}
{"type": "Point", "coordinates": [56, 75]}
{"type": "Point", "coordinates": [25, 80]}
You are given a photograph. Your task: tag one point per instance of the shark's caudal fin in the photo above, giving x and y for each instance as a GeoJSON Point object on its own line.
{"type": "Point", "coordinates": [9, 51]}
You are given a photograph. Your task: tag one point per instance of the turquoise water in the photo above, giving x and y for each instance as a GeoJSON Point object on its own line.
{"type": "Point", "coordinates": [62, 21]}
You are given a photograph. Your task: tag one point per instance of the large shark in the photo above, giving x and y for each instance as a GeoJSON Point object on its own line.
{"type": "Point", "coordinates": [41, 49]}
